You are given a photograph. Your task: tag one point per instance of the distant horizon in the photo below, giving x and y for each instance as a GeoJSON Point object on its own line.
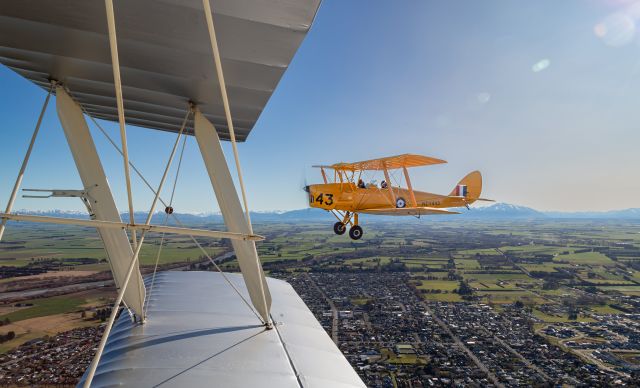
{"type": "Point", "coordinates": [280, 211]}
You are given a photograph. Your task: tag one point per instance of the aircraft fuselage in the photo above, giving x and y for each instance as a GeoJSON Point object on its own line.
{"type": "Point", "coordinates": [349, 197]}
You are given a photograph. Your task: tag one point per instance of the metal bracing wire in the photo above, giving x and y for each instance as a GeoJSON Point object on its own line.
{"type": "Point", "coordinates": [396, 177]}
{"type": "Point", "coordinates": [175, 217]}
{"type": "Point", "coordinates": [134, 260]}
{"type": "Point", "coordinates": [399, 177]}
{"type": "Point", "coordinates": [115, 65]}
{"type": "Point", "coordinates": [168, 211]}
{"type": "Point", "coordinates": [25, 161]}
{"type": "Point", "coordinates": [367, 174]}
{"type": "Point", "coordinates": [164, 176]}
{"type": "Point", "coordinates": [227, 110]}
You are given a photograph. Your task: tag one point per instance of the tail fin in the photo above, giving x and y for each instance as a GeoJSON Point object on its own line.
{"type": "Point", "coordinates": [469, 187]}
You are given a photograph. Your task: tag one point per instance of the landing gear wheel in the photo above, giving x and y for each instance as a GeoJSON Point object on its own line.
{"type": "Point", "coordinates": [339, 228]}
{"type": "Point", "coordinates": [400, 202]}
{"type": "Point", "coordinates": [355, 232]}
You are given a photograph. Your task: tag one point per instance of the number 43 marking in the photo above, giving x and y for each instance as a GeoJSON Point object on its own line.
{"type": "Point", "coordinates": [321, 200]}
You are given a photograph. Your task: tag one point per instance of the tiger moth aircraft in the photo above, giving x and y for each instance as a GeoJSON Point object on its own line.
{"type": "Point", "coordinates": [346, 195]}
{"type": "Point", "coordinates": [201, 70]}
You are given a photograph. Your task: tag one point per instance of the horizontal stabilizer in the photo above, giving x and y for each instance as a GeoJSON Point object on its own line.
{"type": "Point", "coordinates": [406, 211]}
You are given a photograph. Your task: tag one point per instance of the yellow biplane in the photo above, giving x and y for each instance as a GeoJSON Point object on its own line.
{"type": "Point", "coordinates": [348, 195]}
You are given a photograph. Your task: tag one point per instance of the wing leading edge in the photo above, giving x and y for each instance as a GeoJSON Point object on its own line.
{"type": "Point", "coordinates": [388, 163]}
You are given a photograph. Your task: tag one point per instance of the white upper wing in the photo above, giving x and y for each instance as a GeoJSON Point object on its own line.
{"type": "Point", "coordinates": [165, 54]}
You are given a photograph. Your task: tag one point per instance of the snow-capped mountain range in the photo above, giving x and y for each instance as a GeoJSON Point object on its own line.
{"type": "Point", "coordinates": [494, 211]}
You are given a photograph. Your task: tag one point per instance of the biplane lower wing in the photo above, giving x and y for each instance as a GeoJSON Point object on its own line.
{"type": "Point", "coordinates": [470, 199]}
{"type": "Point", "coordinates": [199, 334]}
{"type": "Point", "coordinates": [407, 211]}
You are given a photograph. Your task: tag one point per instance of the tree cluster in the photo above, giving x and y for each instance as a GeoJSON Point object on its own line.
{"type": "Point", "coordinates": [7, 337]}
{"type": "Point", "coordinates": [464, 288]}
{"type": "Point", "coordinates": [102, 314]}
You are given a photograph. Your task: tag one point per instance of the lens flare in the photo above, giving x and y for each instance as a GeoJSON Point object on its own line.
{"type": "Point", "coordinates": [540, 65]}
{"type": "Point", "coordinates": [483, 98]}
{"type": "Point", "coordinates": [600, 30]}
{"type": "Point", "coordinates": [616, 30]}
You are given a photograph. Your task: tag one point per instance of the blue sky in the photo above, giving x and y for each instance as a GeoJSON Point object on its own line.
{"type": "Point", "coordinates": [542, 97]}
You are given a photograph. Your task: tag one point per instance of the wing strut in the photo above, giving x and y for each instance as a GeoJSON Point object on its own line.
{"type": "Point", "coordinates": [115, 65]}
{"type": "Point", "coordinates": [231, 209]}
{"type": "Point", "coordinates": [389, 184]}
{"type": "Point", "coordinates": [411, 194]}
{"type": "Point", "coordinates": [324, 175]}
{"type": "Point", "coordinates": [25, 161]}
{"type": "Point", "coordinates": [265, 302]}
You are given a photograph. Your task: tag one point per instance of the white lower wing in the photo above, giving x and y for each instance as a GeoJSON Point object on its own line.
{"type": "Point", "coordinates": [407, 211]}
{"type": "Point", "coordinates": [200, 334]}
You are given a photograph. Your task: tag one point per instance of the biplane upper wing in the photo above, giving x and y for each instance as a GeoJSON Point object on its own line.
{"type": "Point", "coordinates": [406, 211]}
{"type": "Point", "coordinates": [389, 163]}
{"type": "Point", "coordinates": [165, 55]}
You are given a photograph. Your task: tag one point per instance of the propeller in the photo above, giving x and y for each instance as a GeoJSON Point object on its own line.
{"type": "Point", "coordinates": [303, 181]}
{"type": "Point", "coordinates": [304, 186]}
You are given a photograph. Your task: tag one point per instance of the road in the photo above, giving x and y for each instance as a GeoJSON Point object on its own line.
{"type": "Point", "coordinates": [521, 357]}
{"type": "Point", "coordinates": [462, 346]}
{"type": "Point", "coordinates": [334, 310]}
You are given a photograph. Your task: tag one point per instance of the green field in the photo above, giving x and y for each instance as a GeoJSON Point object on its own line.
{"type": "Point", "coordinates": [606, 309]}
{"type": "Point", "coordinates": [494, 286]}
{"type": "Point", "coordinates": [555, 318]}
{"type": "Point", "coordinates": [546, 267]}
{"type": "Point", "coordinates": [44, 307]}
{"type": "Point", "coordinates": [586, 258]}
{"type": "Point", "coordinates": [445, 291]}
{"type": "Point", "coordinates": [444, 285]}
{"type": "Point", "coordinates": [450, 297]}
{"type": "Point", "coordinates": [623, 289]}
{"type": "Point", "coordinates": [497, 277]}
{"type": "Point", "coordinates": [467, 264]}
{"type": "Point", "coordinates": [509, 296]}
{"type": "Point", "coordinates": [535, 248]}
